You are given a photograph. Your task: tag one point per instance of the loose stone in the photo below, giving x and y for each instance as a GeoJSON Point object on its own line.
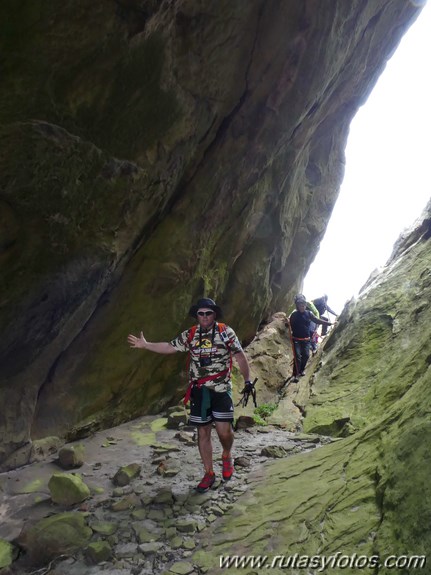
{"type": "Point", "coordinates": [104, 527]}
{"type": "Point", "coordinates": [150, 548]}
{"type": "Point", "coordinates": [98, 552]}
{"type": "Point", "coordinates": [186, 525]}
{"type": "Point", "coordinates": [126, 550]}
{"type": "Point", "coordinates": [71, 456]}
{"type": "Point", "coordinates": [181, 568]}
{"type": "Point", "coordinates": [125, 474]}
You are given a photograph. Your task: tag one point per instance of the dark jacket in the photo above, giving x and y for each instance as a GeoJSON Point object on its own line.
{"type": "Point", "coordinates": [300, 323]}
{"type": "Point", "coordinates": [322, 306]}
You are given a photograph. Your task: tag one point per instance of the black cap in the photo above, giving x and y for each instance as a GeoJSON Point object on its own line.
{"type": "Point", "coordinates": [208, 303]}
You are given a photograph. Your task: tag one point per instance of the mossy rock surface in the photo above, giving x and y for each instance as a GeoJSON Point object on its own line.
{"type": "Point", "coordinates": [326, 496]}
{"type": "Point", "coordinates": [97, 552]}
{"type": "Point", "coordinates": [67, 489]}
{"type": "Point", "coordinates": [126, 473]}
{"type": "Point", "coordinates": [8, 553]}
{"type": "Point", "coordinates": [64, 533]}
{"type": "Point", "coordinates": [367, 493]}
{"type": "Point", "coordinates": [104, 527]}
{"type": "Point", "coordinates": [158, 424]}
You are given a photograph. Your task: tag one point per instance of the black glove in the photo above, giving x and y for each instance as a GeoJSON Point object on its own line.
{"type": "Point", "coordinates": [246, 392]}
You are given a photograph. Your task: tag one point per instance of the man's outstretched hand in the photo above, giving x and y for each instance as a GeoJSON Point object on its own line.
{"type": "Point", "coordinates": [138, 342]}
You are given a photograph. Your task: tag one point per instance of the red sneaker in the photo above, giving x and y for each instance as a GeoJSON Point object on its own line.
{"type": "Point", "coordinates": [228, 468]}
{"type": "Point", "coordinates": [206, 482]}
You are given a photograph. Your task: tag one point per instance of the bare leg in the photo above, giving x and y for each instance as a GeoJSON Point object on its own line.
{"type": "Point", "coordinates": [205, 446]}
{"type": "Point", "coordinates": [225, 434]}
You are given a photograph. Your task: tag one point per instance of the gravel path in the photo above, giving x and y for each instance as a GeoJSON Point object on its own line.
{"type": "Point", "coordinates": [152, 525]}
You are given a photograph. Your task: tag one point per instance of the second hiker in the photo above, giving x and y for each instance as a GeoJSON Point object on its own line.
{"type": "Point", "coordinates": [321, 304]}
{"type": "Point", "coordinates": [299, 325]}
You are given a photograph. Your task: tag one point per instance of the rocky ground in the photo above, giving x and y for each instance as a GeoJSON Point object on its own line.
{"type": "Point", "coordinates": [155, 523]}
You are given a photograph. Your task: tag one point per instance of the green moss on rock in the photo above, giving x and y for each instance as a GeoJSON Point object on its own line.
{"type": "Point", "coordinates": [97, 552]}
{"type": "Point", "coordinates": [33, 486]}
{"type": "Point", "coordinates": [104, 527]}
{"type": "Point", "coordinates": [126, 473]}
{"type": "Point", "coordinates": [159, 424]}
{"type": "Point", "coordinates": [368, 493]}
{"type": "Point", "coordinates": [143, 439]}
{"type": "Point", "coordinates": [60, 534]}
{"type": "Point", "coordinates": [8, 553]}
{"type": "Point", "coordinates": [67, 489]}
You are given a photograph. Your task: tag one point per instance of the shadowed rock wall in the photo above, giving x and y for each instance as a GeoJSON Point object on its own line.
{"type": "Point", "coordinates": [153, 152]}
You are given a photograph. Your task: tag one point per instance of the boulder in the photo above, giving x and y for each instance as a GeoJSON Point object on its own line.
{"type": "Point", "coordinates": [60, 534]}
{"type": "Point", "coordinates": [125, 474]}
{"type": "Point", "coordinates": [67, 489]}
{"type": "Point", "coordinates": [71, 456]}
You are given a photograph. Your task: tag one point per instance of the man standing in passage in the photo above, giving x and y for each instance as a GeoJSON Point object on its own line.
{"type": "Point", "coordinates": [211, 346]}
{"type": "Point", "coordinates": [299, 323]}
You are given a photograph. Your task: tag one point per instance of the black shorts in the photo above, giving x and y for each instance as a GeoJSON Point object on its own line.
{"type": "Point", "coordinates": [207, 405]}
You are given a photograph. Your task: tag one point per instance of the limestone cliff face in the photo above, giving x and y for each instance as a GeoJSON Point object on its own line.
{"type": "Point", "coordinates": [153, 152]}
{"type": "Point", "coordinates": [368, 493]}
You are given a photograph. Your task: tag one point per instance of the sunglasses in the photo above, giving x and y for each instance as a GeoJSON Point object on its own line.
{"type": "Point", "coordinates": [205, 313]}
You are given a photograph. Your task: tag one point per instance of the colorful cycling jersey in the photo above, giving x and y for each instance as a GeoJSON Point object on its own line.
{"type": "Point", "coordinates": [210, 354]}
